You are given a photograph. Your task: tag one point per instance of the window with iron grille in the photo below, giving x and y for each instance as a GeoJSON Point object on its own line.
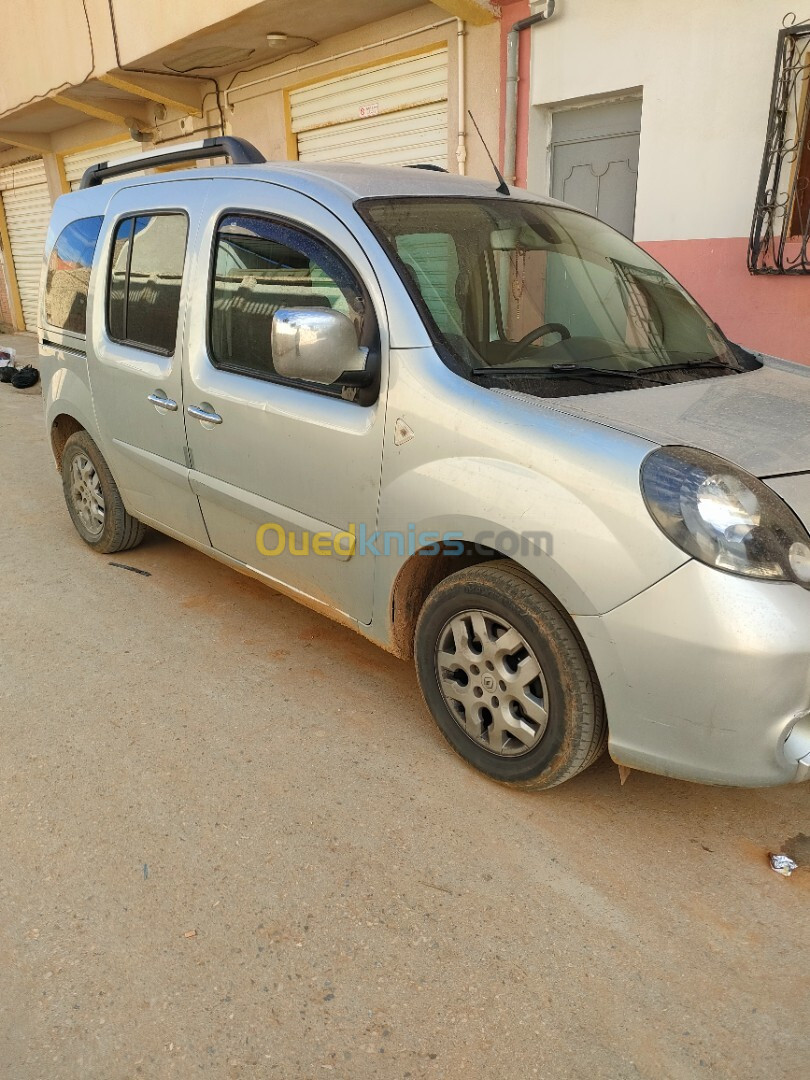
{"type": "Point", "coordinates": [780, 233]}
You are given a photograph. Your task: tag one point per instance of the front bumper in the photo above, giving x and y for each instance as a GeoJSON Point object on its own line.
{"type": "Point", "coordinates": [706, 677]}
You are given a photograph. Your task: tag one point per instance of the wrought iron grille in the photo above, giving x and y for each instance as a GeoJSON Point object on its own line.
{"type": "Point", "coordinates": [780, 233]}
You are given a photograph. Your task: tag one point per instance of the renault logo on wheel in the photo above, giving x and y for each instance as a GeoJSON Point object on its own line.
{"type": "Point", "coordinates": [488, 683]}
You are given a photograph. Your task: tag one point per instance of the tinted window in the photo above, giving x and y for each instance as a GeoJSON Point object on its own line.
{"type": "Point", "coordinates": [522, 290]}
{"type": "Point", "coordinates": [146, 273]}
{"type": "Point", "coordinates": [261, 266]}
{"type": "Point", "coordinates": [69, 275]}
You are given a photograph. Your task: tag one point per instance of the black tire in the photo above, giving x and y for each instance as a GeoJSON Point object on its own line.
{"type": "Point", "coordinates": [119, 530]}
{"type": "Point", "coordinates": [575, 733]}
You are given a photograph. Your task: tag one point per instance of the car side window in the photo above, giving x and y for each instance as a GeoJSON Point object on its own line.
{"type": "Point", "coordinates": [146, 274]}
{"type": "Point", "coordinates": [68, 276]}
{"type": "Point", "coordinates": [262, 266]}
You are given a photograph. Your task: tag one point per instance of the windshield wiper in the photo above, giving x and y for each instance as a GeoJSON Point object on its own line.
{"type": "Point", "coordinates": [582, 370]}
{"type": "Point", "coordinates": [688, 365]}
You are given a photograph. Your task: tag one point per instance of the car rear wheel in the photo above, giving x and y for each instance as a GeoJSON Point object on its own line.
{"type": "Point", "coordinates": [93, 500]}
{"type": "Point", "coordinates": [506, 678]}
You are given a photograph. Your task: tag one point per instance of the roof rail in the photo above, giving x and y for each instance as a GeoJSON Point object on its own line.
{"type": "Point", "coordinates": [240, 151]}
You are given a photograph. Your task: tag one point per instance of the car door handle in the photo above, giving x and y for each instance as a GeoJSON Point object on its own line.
{"type": "Point", "coordinates": [206, 415]}
{"type": "Point", "coordinates": [162, 402]}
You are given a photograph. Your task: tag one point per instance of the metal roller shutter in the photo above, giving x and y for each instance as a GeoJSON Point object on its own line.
{"type": "Point", "coordinates": [389, 114]}
{"type": "Point", "coordinates": [75, 164]}
{"type": "Point", "coordinates": [27, 206]}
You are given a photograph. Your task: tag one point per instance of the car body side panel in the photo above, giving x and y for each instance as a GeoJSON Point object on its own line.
{"type": "Point", "coordinates": [62, 358]}
{"type": "Point", "coordinates": [497, 470]}
{"type": "Point", "coordinates": [66, 388]}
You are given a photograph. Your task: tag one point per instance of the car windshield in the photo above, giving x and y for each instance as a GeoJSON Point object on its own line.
{"type": "Point", "coordinates": [512, 287]}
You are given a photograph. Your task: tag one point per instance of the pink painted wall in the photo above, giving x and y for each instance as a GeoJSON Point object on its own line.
{"type": "Point", "coordinates": [769, 313]}
{"type": "Point", "coordinates": [513, 11]}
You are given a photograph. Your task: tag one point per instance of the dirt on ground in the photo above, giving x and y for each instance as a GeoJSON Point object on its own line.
{"type": "Point", "coordinates": [233, 844]}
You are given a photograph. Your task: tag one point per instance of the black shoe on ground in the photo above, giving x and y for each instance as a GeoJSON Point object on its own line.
{"type": "Point", "coordinates": [25, 377]}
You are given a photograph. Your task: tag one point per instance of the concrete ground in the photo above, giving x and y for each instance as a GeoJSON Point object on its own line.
{"type": "Point", "coordinates": [234, 845]}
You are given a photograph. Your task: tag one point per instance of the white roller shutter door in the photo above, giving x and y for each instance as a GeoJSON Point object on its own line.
{"type": "Point", "coordinates": [390, 114]}
{"type": "Point", "coordinates": [75, 164]}
{"type": "Point", "coordinates": [27, 206]}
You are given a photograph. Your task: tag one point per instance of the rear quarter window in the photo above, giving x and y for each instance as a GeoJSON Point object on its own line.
{"type": "Point", "coordinates": [68, 275]}
{"type": "Point", "coordinates": [146, 276]}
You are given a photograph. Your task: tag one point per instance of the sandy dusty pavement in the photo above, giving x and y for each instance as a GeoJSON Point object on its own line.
{"type": "Point", "coordinates": [233, 845]}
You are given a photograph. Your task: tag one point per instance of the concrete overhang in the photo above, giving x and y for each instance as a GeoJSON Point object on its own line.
{"type": "Point", "coordinates": [121, 103]}
{"type": "Point", "coordinates": [292, 27]}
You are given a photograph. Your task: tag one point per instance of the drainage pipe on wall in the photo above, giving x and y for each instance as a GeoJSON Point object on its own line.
{"type": "Point", "coordinates": [511, 104]}
{"type": "Point", "coordinates": [461, 149]}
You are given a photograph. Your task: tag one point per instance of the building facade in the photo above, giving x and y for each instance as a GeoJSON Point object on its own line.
{"type": "Point", "coordinates": [89, 80]}
{"type": "Point", "coordinates": [651, 115]}
{"type": "Point", "coordinates": [656, 116]}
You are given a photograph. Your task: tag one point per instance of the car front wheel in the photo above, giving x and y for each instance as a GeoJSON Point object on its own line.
{"type": "Point", "coordinates": [506, 678]}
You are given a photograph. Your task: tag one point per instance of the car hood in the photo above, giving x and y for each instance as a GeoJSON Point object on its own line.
{"type": "Point", "coordinates": [759, 420]}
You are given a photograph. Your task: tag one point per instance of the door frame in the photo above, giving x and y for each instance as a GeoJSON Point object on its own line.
{"type": "Point", "coordinates": [251, 196]}
{"type": "Point", "coordinates": [143, 469]}
{"type": "Point", "coordinates": [540, 164]}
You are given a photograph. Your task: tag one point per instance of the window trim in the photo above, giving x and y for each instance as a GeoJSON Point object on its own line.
{"type": "Point", "coordinates": [131, 215]}
{"type": "Point", "coordinates": [774, 245]}
{"type": "Point", "coordinates": [365, 395]}
{"type": "Point", "coordinates": [52, 325]}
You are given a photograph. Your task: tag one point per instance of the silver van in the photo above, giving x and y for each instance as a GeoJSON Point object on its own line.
{"type": "Point", "coordinates": [480, 427]}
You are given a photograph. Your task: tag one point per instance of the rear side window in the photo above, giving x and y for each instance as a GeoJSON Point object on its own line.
{"type": "Point", "coordinates": [146, 272]}
{"type": "Point", "coordinates": [69, 275]}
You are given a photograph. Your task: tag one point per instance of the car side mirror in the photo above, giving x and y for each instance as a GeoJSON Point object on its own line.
{"type": "Point", "coordinates": [318, 345]}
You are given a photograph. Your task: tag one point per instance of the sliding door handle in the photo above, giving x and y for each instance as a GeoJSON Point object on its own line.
{"type": "Point", "coordinates": [160, 401]}
{"type": "Point", "coordinates": [204, 413]}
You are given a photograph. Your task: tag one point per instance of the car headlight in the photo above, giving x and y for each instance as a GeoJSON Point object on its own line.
{"type": "Point", "coordinates": [724, 517]}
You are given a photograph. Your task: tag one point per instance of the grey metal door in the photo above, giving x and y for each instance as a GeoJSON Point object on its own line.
{"type": "Point", "coordinates": [594, 160]}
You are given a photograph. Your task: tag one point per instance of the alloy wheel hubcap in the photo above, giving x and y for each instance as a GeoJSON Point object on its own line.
{"type": "Point", "coordinates": [492, 683]}
{"type": "Point", "coordinates": [88, 498]}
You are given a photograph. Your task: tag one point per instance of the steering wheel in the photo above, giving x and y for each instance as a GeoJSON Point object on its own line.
{"type": "Point", "coordinates": [534, 335]}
